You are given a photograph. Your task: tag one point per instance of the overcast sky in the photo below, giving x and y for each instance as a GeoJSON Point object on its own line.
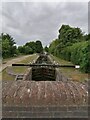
{"type": "Point", "coordinates": [41, 21]}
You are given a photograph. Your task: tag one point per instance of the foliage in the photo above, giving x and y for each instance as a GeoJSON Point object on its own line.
{"type": "Point", "coordinates": [87, 37]}
{"type": "Point", "coordinates": [69, 35]}
{"type": "Point", "coordinates": [31, 47]}
{"type": "Point", "coordinates": [8, 46]}
{"type": "Point", "coordinates": [46, 49]}
{"type": "Point", "coordinates": [21, 49]}
{"type": "Point", "coordinates": [53, 45]}
{"type": "Point", "coordinates": [78, 54]}
{"type": "Point", "coordinates": [9, 49]}
{"type": "Point", "coordinates": [39, 47]}
{"type": "Point", "coordinates": [73, 46]}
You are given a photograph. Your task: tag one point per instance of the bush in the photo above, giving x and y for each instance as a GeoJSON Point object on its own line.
{"type": "Point", "coordinates": [79, 54]}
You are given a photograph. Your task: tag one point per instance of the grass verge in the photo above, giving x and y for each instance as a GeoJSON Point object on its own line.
{"type": "Point", "coordinates": [18, 69]}
{"type": "Point", "coordinates": [71, 73]}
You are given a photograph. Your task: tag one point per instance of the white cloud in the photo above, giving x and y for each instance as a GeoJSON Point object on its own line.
{"type": "Point", "coordinates": [31, 21]}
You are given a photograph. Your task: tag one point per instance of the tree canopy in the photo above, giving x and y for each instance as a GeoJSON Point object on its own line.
{"type": "Point", "coordinates": [39, 47]}
{"type": "Point", "coordinates": [46, 49]}
{"type": "Point", "coordinates": [31, 47]}
{"type": "Point", "coordinates": [69, 35]}
{"type": "Point", "coordinates": [72, 45]}
{"type": "Point", "coordinates": [8, 46]}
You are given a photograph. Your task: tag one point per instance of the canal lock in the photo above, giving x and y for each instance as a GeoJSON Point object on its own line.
{"type": "Point", "coordinates": [44, 73]}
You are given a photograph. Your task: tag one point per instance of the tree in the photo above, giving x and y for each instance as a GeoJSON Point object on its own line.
{"type": "Point", "coordinates": [21, 49]}
{"type": "Point", "coordinates": [46, 49]}
{"type": "Point", "coordinates": [31, 47]}
{"type": "Point", "coordinates": [87, 37]}
{"type": "Point", "coordinates": [72, 45]}
{"type": "Point", "coordinates": [53, 46]}
{"type": "Point", "coordinates": [39, 48]}
{"type": "Point", "coordinates": [8, 46]}
{"type": "Point", "coordinates": [28, 50]}
{"type": "Point", "coordinates": [69, 35]}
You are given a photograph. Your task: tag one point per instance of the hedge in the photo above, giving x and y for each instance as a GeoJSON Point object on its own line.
{"type": "Point", "coordinates": [79, 54]}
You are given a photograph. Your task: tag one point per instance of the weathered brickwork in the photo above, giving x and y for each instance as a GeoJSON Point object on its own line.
{"type": "Point", "coordinates": [52, 99]}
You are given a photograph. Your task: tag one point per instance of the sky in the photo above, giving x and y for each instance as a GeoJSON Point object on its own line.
{"type": "Point", "coordinates": [28, 21]}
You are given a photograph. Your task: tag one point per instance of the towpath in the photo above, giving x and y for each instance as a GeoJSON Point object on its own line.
{"type": "Point", "coordinates": [12, 61]}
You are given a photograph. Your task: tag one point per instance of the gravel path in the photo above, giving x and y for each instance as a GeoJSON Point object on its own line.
{"type": "Point", "coordinates": [10, 62]}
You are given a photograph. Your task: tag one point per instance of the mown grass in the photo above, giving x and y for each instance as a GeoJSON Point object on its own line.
{"type": "Point", "coordinates": [61, 61]}
{"type": "Point", "coordinates": [18, 69]}
{"type": "Point", "coordinates": [7, 59]}
{"type": "Point", "coordinates": [21, 69]}
{"type": "Point", "coordinates": [71, 73]}
{"type": "Point", "coordinates": [6, 76]}
{"type": "Point", "coordinates": [29, 59]}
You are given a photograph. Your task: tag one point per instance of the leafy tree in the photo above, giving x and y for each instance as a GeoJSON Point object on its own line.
{"type": "Point", "coordinates": [72, 45]}
{"type": "Point", "coordinates": [46, 49]}
{"type": "Point", "coordinates": [69, 35]}
{"type": "Point", "coordinates": [53, 46]}
{"type": "Point", "coordinates": [31, 47]}
{"type": "Point", "coordinates": [79, 54]}
{"type": "Point", "coordinates": [39, 48]}
{"type": "Point", "coordinates": [8, 46]}
{"type": "Point", "coordinates": [87, 37]}
{"type": "Point", "coordinates": [28, 50]}
{"type": "Point", "coordinates": [21, 49]}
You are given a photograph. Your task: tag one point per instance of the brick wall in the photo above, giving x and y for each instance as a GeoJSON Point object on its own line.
{"type": "Point", "coordinates": [46, 112]}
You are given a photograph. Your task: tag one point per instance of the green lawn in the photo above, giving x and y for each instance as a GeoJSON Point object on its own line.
{"type": "Point", "coordinates": [20, 70]}
{"type": "Point", "coordinates": [74, 74]}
